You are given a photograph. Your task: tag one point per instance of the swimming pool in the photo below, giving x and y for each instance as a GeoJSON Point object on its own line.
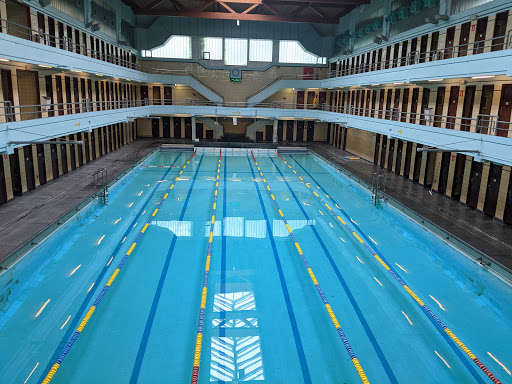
{"type": "Point", "coordinates": [265, 317]}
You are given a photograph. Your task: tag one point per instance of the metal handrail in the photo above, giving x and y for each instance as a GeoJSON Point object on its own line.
{"type": "Point", "coordinates": [65, 43]}
{"type": "Point", "coordinates": [484, 124]}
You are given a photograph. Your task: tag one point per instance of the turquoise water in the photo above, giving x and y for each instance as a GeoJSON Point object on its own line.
{"type": "Point", "coordinates": [264, 319]}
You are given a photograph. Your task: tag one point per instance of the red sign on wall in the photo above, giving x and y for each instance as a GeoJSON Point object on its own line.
{"type": "Point", "coordinates": [473, 27]}
{"type": "Point", "coordinates": [461, 93]}
{"type": "Point", "coordinates": [6, 157]}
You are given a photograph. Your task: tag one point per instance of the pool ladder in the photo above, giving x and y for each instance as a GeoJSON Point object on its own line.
{"type": "Point", "coordinates": [378, 184]}
{"type": "Point", "coordinates": [100, 180]}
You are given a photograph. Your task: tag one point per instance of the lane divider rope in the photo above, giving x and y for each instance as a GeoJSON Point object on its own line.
{"type": "Point", "coordinates": [91, 310]}
{"type": "Point", "coordinates": [158, 166]}
{"type": "Point", "coordinates": [327, 306]}
{"type": "Point", "coordinates": [384, 263]}
{"type": "Point", "coordinates": [200, 326]}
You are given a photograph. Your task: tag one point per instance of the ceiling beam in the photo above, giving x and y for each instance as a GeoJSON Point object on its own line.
{"type": "Point", "coordinates": [226, 6]}
{"type": "Point", "coordinates": [235, 16]}
{"type": "Point", "coordinates": [249, 9]}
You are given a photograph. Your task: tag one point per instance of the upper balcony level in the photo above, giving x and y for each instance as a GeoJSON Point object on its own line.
{"type": "Point", "coordinates": [483, 137]}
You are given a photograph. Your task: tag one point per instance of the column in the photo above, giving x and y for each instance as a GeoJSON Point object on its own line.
{"type": "Point", "coordinates": [483, 187]}
{"type": "Point", "coordinates": [465, 180]}
{"type": "Point", "coordinates": [437, 171]}
{"type": "Point", "coordinates": [451, 174]}
{"type": "Point", "coordinates": [413, 161]}
{"type": "Point", "coordinates": [274, 132]}
{"type": "Point", "coordinates": [7, 172]}
{"type": "Point", "coordinates": [193, 129]}
{"type": "Point", "coordinates": [502, 194]}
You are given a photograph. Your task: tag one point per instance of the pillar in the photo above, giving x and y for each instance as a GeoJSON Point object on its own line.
{"type": "Point", "coordinates": [274, 132]}
{"type": "Point", "coordinates": [193, 129]}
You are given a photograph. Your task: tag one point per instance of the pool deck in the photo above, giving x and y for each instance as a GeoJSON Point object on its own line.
{"type": "Point", "coordinates": [479, 231]}
{"type": "Point", "coordinates": [26, 216]}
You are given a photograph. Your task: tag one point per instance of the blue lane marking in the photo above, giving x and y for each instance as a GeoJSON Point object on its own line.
{"type": "Point", "coordinates": [284, 287]}
{"type": "Point", "coordinates": [359, 313]}
{"type": "Point", "coordinates": [84, 307]}
{"type": "Point", "coordinates": [455, 348]}
{"type": "Point", "coordinates": [156, 299]}
{"type": "Point", "coordinates": [222, 330]}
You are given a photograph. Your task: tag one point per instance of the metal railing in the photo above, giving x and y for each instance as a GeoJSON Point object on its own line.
{"type": "Point", "coordinates": [65, 43]}
{"type": "Point", "coordinates": [483, 124]}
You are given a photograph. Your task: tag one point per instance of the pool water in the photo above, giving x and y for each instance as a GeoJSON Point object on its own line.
{"type": "Point", "coordinates": [264, 319]}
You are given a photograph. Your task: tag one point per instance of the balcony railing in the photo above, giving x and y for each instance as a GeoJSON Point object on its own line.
{"type": "Point", "coordinates": [64, 43]}
{"type": "Point", "coordinates": [483, 124]}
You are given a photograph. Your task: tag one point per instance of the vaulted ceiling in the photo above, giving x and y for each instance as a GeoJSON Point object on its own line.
{"type": "Point", "coordinates": [295, 11]}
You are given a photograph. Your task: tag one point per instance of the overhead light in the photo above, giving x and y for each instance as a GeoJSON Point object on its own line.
{"type": "Point", "coordinates": [436, 80]}
{"type": "Point", "coordinates": [293, 89]}
{"type": "Point", "coordinates": [483, 77]}
{"type": "Point", "coordinates": [398, 83]}
{"type": "Point", "coordinates": [374, 85]}
{"type": "Point", "coordinates": [43, 66]}
{"type": "Point", "coordinates": [76, 70]}
{"type": "Point", "coordinates": [98, 74]}
{"type": "Point", "coordinates": [127, 79]}
{"type": "Point", "coordinates": [3, 59]}
{"type": "Point", "coordinates": [238, 22]}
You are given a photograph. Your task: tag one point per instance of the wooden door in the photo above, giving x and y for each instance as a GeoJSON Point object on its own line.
{"type": "Point", "coordinates": [443, 174]}
{"type": "Point", "coordinates": [300, 99]}
{"type": "Point", "coordinates": [322, 99]}
{"type": "Point", "coordinates": [199, 130]}
{"type": "Point", "coordinates": [475, 179]}
{"type": "Point", "coordinates": [384, 144]}
{"type": "Point", "coordinates": [259, 136]}
{"type": "Point", "coordinates": [464, 38]}
{"type": "Point", "coordinates": [500, 30]}
{"type": "Point", "coordinates": [493, 188]}
{"type": "Point", "coordinates": [310, 135]}
{"type": "Point", "coordinates": [29, 167]}
{"type": "Point", "coordinates": [14, 162]}
{"type": "Point", "coordinates": [481, 28]}
{"type": "Point", "coordinates": [156, 96]}
{"type": "Point", "coordinates": [408, 157]}
{"type": "Point", "coordinates": [439, 106]}
{"type": "Point", "coordinates": [280, 125]}
{"type": "Point", "coordinates": [64, 158]}
{"type": "Point", "coordinates": [289, 130]}
{"type": "Point", "coordinates": [399, 149]}
{"type": "Point", "coordinates": [168, 95]}
{"type": "Point", "coordinates": [300, 131]}
{"type": "Point", "coordinates": [391, 153]}
{"type": "Point", "coordinates": [144, 93]}
{"type": "Point", "coordinates": [41, 163]}
{"type": "Point", "coordinates": [452, 107]}
{"type": "Point", "coordinates": [55, 161]}
{"type": "Point", "coordinates": [448, 47]}
{"type": "Point", "coordinates": [405, 103]}
{"type": "Point", "coordinates": [377, 148]}
{"type": "Point", "coordinates": [417, 164]}
{"type": "Point", "coordinates": [188, 128]}
{"type": "Point", "coordinates": [467, 108]}
{"type": "Point", "coordinates": [485, 108]}
{"type": "Point", "coordinates": [177, 127]}
{"type": "Point", "coordinates": [429, 169]}
{"type": "Point", "coordinates": [51, 31]}
{"type": "Point", "coordinates": [155, 127]}
{"type": "Point", "coordinates": [268, 132]}
{"type": "Point", "coordinates": [460, 164]}
{"type": "Point", "coordinates": [209, 134]}
{"type": "Point", "coordinates": [504, 110]}
{"type": "Point", "coordinates": [7, 90]}
{"type": "Point", "coordinates": [423, 48]}
{"type": "Point", "coordinates": [166, 121]}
